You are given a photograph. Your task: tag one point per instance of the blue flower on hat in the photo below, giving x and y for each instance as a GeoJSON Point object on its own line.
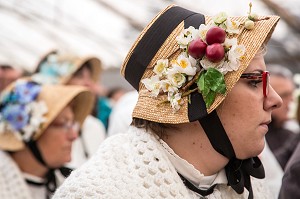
{"type": "Point", "coordinates": [16, 115]}
{"type": "Point", "coordinates": [19, 110]}
{"type": "Point", "coordinates": [25, 93]}
{"type": "Point", "coordinates": [49, 69]}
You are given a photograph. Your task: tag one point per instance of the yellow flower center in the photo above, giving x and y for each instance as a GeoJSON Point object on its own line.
{"type": "Point", "coordinates": [167, 87]}
{"type": "Point", "coordinates": [234, 24]}
{"type": "Point", "coordinates": [160, 67]}
{"type": "Point", "coordinates": [183, 63]}
{"type": "Point", "coordinates": [178, 78]}
{"type": "Point", "coordinates": [156, 86]}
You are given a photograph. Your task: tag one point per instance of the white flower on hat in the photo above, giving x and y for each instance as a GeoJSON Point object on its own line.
{"type": "Point", "coordinates": [186, 36]}
{"type": "Point", "coordinates": [152, 84]}
{"type": "Point", "coordinates": [175, 100]}
{"type": "Point", "coordinates": [27, 133]}
{"type": "Point", "coordinates": [161, 67]}
{"type": "Point", "coordinates": [183, 65]}
{"type": "Point", "coordinates": [203, 30]}
{"type": "Point", "coordinates": [193, 62]}
{"type": "Point", "coordinates": [167, 86]}
{"type": "Point", "coordinates": [176, 78]}
{"type": "Point", "coordinates": [38, 111]}
{"type": "Point", "coordinates": [235, 54]}
{"type": "Point", "coordinates": [232, 27]}
{"type": "Point", "coordinates": [206, 64]}
{"type": "Point", "coordinates": [230, 42]}
{"type": "Point", "coordinates": [220, 18]}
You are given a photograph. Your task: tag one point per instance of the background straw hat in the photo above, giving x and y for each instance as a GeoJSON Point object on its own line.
{"type": "Point", "coordinates": [77, 63]}
{"type": "Point", "coordinates": [44, 58]}
{"type": "Point", "coordinates": [139, 62]}
{"type": "Point", "coordinates": [56, 98]}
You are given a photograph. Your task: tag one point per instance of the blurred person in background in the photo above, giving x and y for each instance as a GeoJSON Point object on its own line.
{"type": "Point", "coordinates": [62, 68]}
{"type": "Point", "coordinates": [291, 179]}
{"type": "Point", "coordinates": [38, 125]}
{"type": "Point", "coordinates": [115, 94]}
{"type": "Point", "coordinates": [279, 137]}
{"type": "Point", "coordinates": [273, 170]}
{"type": "Point", "coordinates": [8, 74]}
{"type": "Point", "coordinates": [106, 104]}
{"type": "Point", "coordinates": [121, 115]}
{"type": "Point", "coordinates": [103, 106]}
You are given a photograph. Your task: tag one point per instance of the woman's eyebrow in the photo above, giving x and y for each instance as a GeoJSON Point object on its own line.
{"type": "Point", "coordinates": [255, 71]}
{"type": "Point", "coordinates": [259, 70]}
{"type": "Point", "coordinates": [62, 120]}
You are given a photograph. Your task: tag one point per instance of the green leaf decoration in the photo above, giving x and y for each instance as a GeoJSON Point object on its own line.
{"type": "Point", "coordinates": [209, 84]}
{"type": "Point", "coordinates": [200, 82]}
{"type": "Point", "coordinates": [210, 98]}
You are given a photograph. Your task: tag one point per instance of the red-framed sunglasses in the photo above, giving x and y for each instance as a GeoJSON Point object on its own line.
{"type": "Point", "coordinates": [264, 76]}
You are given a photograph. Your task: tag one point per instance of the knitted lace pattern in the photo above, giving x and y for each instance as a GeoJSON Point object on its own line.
{"type": "Point", "coordinates": [134, 165]}
{"type": "Point", "coordinates": [12, 183]}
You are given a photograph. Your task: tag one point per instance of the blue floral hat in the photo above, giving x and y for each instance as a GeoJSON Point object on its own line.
{"type": "Point", "coordinates": [27, 109]}
{"type": "Point", "coordinates": [58, 68]}
{"type": "Point", "coordinates": [183, 64]}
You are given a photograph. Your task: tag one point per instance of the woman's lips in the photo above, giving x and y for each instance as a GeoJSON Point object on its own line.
{"type": "Point", "coordinates": [265, 125]}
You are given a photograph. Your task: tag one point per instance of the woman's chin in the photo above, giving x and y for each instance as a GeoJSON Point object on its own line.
{"type": "Point", "coordinates": [253, 153]}
{"type": "Point", "coordinates": [68, 159]}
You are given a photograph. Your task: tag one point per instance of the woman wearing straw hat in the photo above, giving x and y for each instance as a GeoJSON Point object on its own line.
{"type": "Point", "coordinates": [36, 135]}
{"type": "Point", "coordinates": [199, 123]}
{"type": "Point", "coordinates": [61, 68]}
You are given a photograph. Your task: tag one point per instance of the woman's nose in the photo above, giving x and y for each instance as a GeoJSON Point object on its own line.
{"type": "Point", "coordinates": [74, 132]}
{"type": "Point", "coordinates": [273, 100]}
{"type": "Point", "coordinates": [72, 135]}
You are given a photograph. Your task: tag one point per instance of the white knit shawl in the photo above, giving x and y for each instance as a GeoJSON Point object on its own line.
{"type": "Point", "coordinates": [134, 165]}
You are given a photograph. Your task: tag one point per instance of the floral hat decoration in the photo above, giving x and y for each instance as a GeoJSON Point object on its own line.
{"type": "Point", "coordinates": [58, 68]}
{"type": "Point", "coordinates": [27, 108]}
{"type": "Point", "coordinates": [184, 63]}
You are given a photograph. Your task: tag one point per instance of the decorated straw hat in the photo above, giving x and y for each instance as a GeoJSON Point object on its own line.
{"type": "Point", "coordinates": [57, 67]}
{"type": "Point", "coordinates": [27, 109]}
{"type": "Point", "coordinates": [183, 63]}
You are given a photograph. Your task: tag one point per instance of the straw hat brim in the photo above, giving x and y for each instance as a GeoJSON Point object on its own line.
{"type": "Point", "coordinates": [56, 97]}
{"type": "Point", "coordinates": [77, 62]}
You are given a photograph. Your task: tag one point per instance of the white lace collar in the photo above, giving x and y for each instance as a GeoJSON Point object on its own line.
{"type": "Point", "coordinates": [33, 178]}
{"type": "Point", "coordinates": [191, 173]}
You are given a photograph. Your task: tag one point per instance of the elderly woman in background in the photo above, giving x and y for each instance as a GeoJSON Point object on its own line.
{"type": "Point", "coordinates": [61, 68]}
{"type": "Point", "coordinates": [38, 125]}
